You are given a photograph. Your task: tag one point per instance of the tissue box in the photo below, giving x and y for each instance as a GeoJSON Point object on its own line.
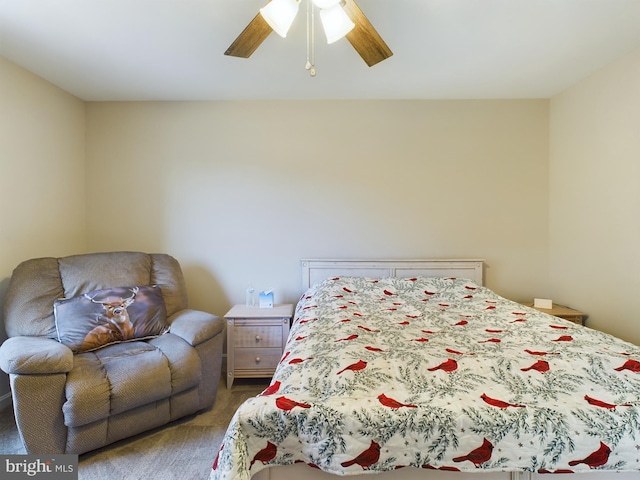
{"type": "Point", "coordinates": [266, 299]}
{"type": "Point", "coordinates": [543, 303]}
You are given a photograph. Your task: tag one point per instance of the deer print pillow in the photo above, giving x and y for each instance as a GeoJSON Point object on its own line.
{"type": "Point", "coordinates": [103, 317]}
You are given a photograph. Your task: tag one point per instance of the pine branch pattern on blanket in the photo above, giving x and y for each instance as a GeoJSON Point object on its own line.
{"type": "Point", "coordinates": [438, 373]}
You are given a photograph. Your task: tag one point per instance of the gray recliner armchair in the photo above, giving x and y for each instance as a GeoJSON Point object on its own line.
{"type": "Point", "coordinates": [73, 402]}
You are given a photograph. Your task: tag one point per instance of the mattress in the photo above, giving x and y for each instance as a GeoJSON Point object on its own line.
{"type": "Point", "coordinates": [438, 373]}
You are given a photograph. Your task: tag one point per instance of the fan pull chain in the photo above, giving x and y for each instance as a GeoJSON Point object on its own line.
{"type": "Point", "coordinates": [311, 40]}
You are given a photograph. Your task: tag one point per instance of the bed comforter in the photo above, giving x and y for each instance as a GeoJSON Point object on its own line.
{"type": "Point", "coordinates": [380, 374]}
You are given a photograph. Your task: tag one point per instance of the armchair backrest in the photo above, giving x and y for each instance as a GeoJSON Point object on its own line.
{"type": "Point", "coordinates": [36, 284]}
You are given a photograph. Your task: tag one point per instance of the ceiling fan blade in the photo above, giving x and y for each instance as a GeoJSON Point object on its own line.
{"type": "Point", "coordinates": [364, 38]}
{"type": "Point", "coordinates": [250, 39]}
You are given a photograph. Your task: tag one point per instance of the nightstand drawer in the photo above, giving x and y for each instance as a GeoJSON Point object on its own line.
{"type": "Point", "coordinates": [257, 358]}
{"type": "Point", "coordinates": [258, 336]}
{"type": "Point", "coordinates": [255, 340]}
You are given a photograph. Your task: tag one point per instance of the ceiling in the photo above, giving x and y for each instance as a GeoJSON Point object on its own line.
{"type": "Point", "coordinates": [109, 50]}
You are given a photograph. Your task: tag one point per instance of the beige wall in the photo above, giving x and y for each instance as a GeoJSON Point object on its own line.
{"type": "Point", "coordinates": [42, 189]}
{"type": "Point", "coordinates": [240, 191]}
{"type": "Point", "coordinates": [546, 192]}
{"type": "Point", "coordinates": [595, 197]}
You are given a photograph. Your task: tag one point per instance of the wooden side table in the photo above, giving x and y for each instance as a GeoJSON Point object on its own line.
{"type": "Point", "coordinates": [255, 340]}
{"type": "Point", "coordinates": [567, 313]}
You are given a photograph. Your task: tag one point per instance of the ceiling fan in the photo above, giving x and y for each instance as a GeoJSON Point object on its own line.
{"type": "Point", "coordinates": [359, 31]}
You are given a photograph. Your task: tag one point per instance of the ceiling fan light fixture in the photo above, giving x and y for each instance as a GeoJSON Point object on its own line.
{"type": "Point", "coordinates": [279, 14]}
{"type": "Point", "coordinates": [339, 18]}
{"type": "Point", "coordinates": [336, 22]}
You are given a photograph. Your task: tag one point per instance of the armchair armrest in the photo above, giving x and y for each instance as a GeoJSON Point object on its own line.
{"type": "Point", "coordinates": [35, 355]}
{"type": "Point", "coordinates": [195, 326]}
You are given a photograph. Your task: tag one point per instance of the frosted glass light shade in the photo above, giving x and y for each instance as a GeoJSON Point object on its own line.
{"type": "Point", "coordinates": [279, 14]}
{"type": "Point", "coordinates": [336, 23]}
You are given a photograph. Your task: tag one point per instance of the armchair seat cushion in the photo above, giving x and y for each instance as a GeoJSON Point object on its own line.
{"type": "Point", "coordinates": [73, 400]}
{"type": "Point", "coordinates": [120, 377]}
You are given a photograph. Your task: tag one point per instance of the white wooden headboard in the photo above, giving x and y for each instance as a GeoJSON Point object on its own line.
{"type": "Point", "coordinates": [314, 270]}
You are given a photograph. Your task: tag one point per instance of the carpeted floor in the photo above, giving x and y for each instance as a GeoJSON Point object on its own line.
{"type": "Point", "coordinates": [183, 450]}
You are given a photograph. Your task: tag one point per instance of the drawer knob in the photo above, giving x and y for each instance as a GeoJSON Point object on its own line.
{"type": "Point", "coordinates": [257, 359]}
{"type": "Point", "coordinates": [258, 338]}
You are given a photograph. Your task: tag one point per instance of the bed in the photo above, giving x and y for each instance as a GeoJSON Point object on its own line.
{"type": "Point", "coordinates": [414, 369]}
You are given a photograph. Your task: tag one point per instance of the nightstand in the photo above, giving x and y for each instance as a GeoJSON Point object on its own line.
{"type": "Point", "coordinates": [255, 340]}
{"type": "Point", "coordinates": [563, 312]}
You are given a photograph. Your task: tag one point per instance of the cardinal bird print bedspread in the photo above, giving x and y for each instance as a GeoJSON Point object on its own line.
{"type": "Point", "coordinates": [438, 373]}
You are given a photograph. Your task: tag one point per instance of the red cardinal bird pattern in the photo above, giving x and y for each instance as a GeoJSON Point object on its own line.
{"type": "Point", "coordinates": [215, 462]}
{"type": "Point", "coordinates": [271, 389]}
{"type": "Point", "coordinates": [265, 455]}
{"type": "Point", "coordinates": [631, 365]}
{"type": "Point", "coordinates": [367, 458]}
{"type": "Point", "coordinates": [596, 459]}
{"type": "Point", "coordinates": [540, 354]}
{"type": "Point", "coordinates": [563, 338]}
{"type": "Point", "coordinates": [284, 403]}
{"type": "Point", "coordinates": [391, 403]}
{"type": "Point", "coordinates": [499, 403]}
{"type": "Point", "coordinates": [373, 349]}
{"type": "Point", "coordinates": [478, 455]}
{"type": "Point", "coordinates": [346, 339]}
{"type": "Point", "coordinates": [397, 381]}
{"type": "Point", "coordinates": [540, 366]}
{"type": "Point", "coordinates": [295, 361]}
{"type": "Point", "coordinates": [447, 366]}
{"type": "Point", "coordinates": [601, 404]}
{"type": "Point", "coordinates": [354, 367]}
